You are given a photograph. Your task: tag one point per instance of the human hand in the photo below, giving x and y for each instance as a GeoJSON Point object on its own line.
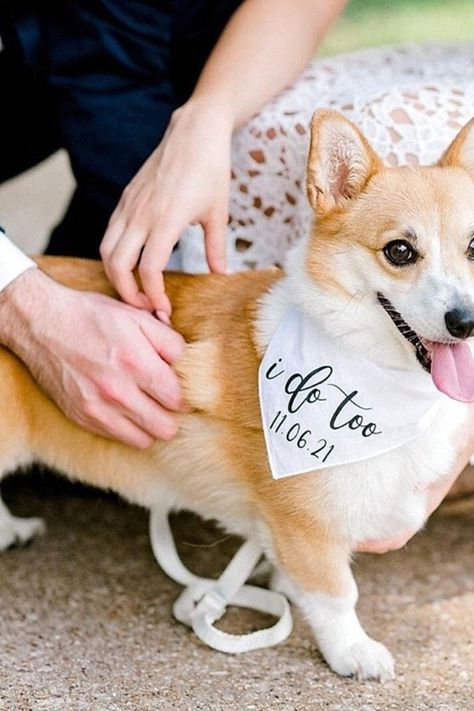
{"type": "Point", "coordinates": [459, 481]}
{"type": "Point", "coordinates": [185, 180]}
{"type": "Point", "coordinates": [105, 364]}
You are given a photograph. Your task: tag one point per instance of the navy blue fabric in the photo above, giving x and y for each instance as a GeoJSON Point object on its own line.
{"type": "Point", "coordinates": [101, 79]}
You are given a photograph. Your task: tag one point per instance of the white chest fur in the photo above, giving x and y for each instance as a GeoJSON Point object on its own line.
{"type": "Point", "coordinates": [385, 495]}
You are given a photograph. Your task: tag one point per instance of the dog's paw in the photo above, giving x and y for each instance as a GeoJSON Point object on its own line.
{"type": "Point", "coordinates": [18, 531]}
{"type": "Point", "coordinates": [364, 659]}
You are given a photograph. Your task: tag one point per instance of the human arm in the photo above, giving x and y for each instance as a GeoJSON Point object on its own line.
{"type": "Point", "coordinates": [104, 363]}
{"type": "Point", "coordinates": [186, 179]}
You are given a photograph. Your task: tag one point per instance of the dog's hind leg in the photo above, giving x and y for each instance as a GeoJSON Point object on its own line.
{"type": "Point", "coordinates": [15, 452]}
{"type": "Point", "coordinates": [15, 530]}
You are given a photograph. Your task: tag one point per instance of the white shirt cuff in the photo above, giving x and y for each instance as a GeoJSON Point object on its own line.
{"type": "Point", "coordinates": [13, 261]}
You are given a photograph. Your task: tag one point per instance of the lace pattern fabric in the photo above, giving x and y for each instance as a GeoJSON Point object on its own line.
{"type": "Point", "coordinates": [409, 101]}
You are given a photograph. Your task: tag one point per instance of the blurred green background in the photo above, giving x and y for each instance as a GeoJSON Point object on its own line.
{"type": "Point", "coordinates": [376, 22]}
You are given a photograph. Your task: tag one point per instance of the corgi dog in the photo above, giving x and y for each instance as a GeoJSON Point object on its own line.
{"type": "Point", "coordinates": [388, 270]}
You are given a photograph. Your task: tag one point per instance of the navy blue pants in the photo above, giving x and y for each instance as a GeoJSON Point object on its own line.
{"type": "Point", "coordinates": [99, 78]}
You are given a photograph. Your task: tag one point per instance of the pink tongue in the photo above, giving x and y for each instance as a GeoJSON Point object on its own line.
{"type": "Point", "coordinates": [452, 370]}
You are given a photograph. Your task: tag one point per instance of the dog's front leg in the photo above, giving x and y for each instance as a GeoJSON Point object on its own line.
{"type": "Point", "coordinates": [315, 574]}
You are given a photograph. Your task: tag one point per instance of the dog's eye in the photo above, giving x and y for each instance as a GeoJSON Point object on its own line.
{"type": "Point", "coordinates": [399, 252]}
{"type": "Point", "coordinates": [470, 250]}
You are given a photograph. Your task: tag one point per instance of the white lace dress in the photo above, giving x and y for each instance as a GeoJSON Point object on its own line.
{"type": "Point", "coordinates": [409, 101]}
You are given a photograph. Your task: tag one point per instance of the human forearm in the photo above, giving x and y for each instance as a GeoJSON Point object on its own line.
{"type": "Point", "coordinates": [105, 364]}
{"type": "Point", "coordinates": [186, 180]}
{"type": "Point", "coordinates": [15, 267]}
{"type": "Point", "coordinates": [17, 309]}
{"type": "Point", "coordinates": [263, 48]}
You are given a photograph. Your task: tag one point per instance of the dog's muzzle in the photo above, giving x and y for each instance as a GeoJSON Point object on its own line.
{"type": "Point", "coordinates": [422, 353]}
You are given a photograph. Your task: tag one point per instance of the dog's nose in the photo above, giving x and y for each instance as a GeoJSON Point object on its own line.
{"type": "Point", "coordinates": [459, 322]}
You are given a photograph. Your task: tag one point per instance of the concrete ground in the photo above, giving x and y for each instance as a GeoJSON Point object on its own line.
{"type": "Point", "coordinates": [86, 619]}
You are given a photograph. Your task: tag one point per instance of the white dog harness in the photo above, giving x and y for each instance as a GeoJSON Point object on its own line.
{"type": "Point", "coordinates": [204, 600]}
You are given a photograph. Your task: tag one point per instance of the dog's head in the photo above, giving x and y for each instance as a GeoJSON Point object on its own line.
{"type": "Point", "coordinates": [392, 252]}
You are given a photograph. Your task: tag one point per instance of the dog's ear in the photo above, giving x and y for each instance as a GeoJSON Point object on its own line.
{"type": "Point", "coordinates": [340, 161]}
{"type": "Point", "coordinates": [461, 151]}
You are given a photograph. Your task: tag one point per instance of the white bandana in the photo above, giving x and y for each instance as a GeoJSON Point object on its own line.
{"type": "Point", "coordinates": [322, 407]}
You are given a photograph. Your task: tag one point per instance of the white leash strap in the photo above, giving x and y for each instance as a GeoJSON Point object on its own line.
{"type": "Point", "coordinates": [204, 601]}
